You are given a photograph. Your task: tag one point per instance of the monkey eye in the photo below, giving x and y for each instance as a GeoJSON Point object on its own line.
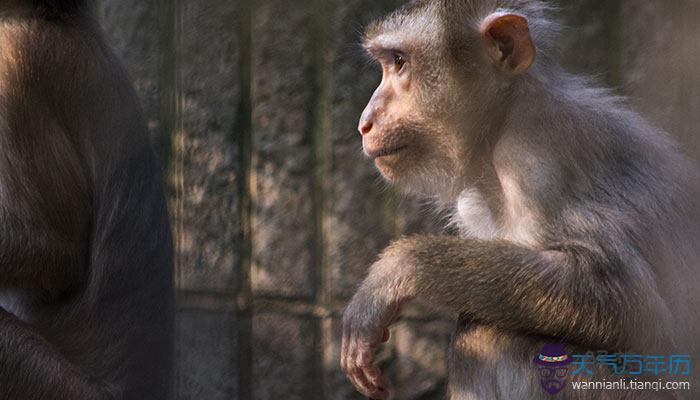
{"type": "Point", "coordinates": [399, 62]}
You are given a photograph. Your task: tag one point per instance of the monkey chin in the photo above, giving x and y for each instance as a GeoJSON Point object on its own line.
{"type": "Point", "coordinates": [390, 167]}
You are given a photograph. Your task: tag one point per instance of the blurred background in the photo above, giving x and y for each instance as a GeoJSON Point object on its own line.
{"type": "Point", "coordinates": [253, 107]}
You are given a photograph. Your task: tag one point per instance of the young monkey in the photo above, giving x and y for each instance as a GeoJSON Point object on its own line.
{"type": "Point", "coordinates": [579, 219]}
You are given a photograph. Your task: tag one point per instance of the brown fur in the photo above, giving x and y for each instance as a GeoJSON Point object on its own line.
{"type": "Point", "coordinates": [85, 251]}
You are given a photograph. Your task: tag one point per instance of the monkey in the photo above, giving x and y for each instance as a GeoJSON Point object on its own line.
{"type": "Point", "coordinates": [577, 218]}
{"type": "Point", "coordinates": [86, 280]}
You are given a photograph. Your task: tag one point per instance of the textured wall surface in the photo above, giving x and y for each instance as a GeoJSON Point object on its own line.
{"type": "Point", "coordinates": [253, 107]}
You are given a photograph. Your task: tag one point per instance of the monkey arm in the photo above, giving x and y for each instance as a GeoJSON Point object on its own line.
{"type": "Point", "coordinates": [577, 292]}
{"type": "Point", "coordinates": [29, 364]}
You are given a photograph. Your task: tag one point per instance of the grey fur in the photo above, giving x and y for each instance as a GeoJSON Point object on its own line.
{"type": "Point", "coordinates": [595, 210]}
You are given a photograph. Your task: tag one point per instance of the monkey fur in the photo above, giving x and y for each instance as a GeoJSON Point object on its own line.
{"type": "Point", "coordinates": [86, 296]}
{"type": "Point", "coordinates": [578, 219]}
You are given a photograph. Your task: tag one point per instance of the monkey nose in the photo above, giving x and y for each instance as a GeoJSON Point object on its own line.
{"type": "Point", "coordinates": [365, 127]}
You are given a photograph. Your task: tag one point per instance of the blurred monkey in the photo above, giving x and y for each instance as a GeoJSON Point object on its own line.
{"type": "Point", "coordinates": [578, 219]}
{"type": "Point", "coordinates": [85, 249]}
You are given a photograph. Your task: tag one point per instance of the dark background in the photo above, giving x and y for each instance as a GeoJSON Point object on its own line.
{"type": "Point", "coordinates": [253, 107]}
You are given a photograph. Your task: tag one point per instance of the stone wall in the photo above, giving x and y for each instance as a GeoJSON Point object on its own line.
{"type": "Point", "coordinates": [253, 107]}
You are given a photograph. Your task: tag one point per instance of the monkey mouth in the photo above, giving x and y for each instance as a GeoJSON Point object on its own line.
{"type": "Point", "coordinates": [389, 151]}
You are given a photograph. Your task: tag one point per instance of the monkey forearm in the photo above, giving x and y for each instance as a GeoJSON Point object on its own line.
{"type": "Point", "coordinates": [36, 371]}
{"type": "Point", "coordinates": [570, 294]}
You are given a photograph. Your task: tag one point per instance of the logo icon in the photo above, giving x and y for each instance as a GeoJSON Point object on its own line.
{"type": "Point", "coordinates": [553, 363]}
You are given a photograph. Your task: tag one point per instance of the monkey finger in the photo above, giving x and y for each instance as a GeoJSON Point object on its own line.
{"type": "Point", "coordinates": [348, 350]}
{"type": "Point", "coordinates": [364, 356]}
{"type": "Point", "coordinates": [361, 383]}
{"type": "Point", "coordinates": [384, 390]}
{"type": "Point", "coordinates": [375, 377]}
{"type": "Point", "coordinates": [373, 373]}
{"type": "Point", "coordinates": [366, 362]}
{"type": "Point", "coordinates": [355, 370]}
{"type": "Point", "coordinates": [372, 378]}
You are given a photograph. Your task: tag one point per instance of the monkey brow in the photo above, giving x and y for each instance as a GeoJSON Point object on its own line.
{"type": "Point", "coordinates": [381, 45]}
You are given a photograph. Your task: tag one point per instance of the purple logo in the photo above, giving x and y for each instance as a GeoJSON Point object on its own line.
{"type": "Point", "coordinates": [553, 365]}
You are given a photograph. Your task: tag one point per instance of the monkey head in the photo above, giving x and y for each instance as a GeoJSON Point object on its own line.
{"type": "Point", "coordinates": [446, 69]}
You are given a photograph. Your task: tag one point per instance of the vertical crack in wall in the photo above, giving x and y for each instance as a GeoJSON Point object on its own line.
{"type": "Point", "coordinates": [169, 117]}
{"type": "Point", "coordinates": [169, 114]}
{"type": "Point", "coordinates": [166, 86]}
{"type": "Point", "coordinates": [320, 156]}
{"type": "Point", "coordinates": [243, 128]}
{"type": "Point", "coordinates": [174, 107]}
{"type": "Point", "coordinates": [319, 124]}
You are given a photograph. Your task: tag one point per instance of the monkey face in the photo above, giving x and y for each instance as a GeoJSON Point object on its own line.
{"type": "Point", "coordinates": [413, 127]}
{"type": "Point", "coordinates": [405, 147]}
{"type": "Point", "coordinates": [426, 121]}
{"type": "Point", "coordinates": [401, 127]}
{"type": "Point", "coordinates": [388, 124]}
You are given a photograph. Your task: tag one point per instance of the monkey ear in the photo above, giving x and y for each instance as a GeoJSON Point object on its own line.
{"type": "Point", "coordinates": [508, 42]}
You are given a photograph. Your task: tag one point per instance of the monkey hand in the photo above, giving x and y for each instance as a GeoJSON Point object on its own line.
{"type": "Point", "coordinates": [366, 324]}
